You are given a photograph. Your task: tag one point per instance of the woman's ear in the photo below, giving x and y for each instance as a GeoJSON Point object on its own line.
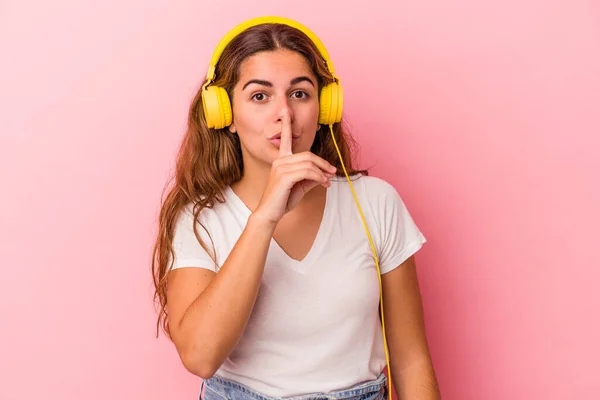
{"type": "Point", "coordinates": [232, 128]}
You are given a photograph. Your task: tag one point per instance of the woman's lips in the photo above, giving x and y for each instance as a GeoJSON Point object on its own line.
{"type": "Point", "coordinates": [276, 139]}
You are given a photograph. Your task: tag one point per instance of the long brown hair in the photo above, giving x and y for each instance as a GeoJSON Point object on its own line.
{"type": "Point", "coordinates": [209, 160]}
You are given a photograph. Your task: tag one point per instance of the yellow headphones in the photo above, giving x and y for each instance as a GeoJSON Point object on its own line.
{"type": "Point", "coordinates": [217, 106]}
{"type": "Point", "coordinates": [217, 111]}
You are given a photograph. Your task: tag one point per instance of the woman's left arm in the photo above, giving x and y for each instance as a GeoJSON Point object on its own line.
{"type": "Point", "coordinates": [413, 376]}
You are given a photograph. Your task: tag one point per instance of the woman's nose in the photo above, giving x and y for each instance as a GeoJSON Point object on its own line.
{"type": "Point", "coordinates": [283, 109]}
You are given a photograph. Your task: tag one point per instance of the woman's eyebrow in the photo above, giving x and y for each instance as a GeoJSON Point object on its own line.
{"type": "Point", "coordinates": [269, 84]}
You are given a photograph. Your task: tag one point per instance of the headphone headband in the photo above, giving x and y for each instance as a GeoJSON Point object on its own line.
{"type": "Point", "coordinates": [266, 20]}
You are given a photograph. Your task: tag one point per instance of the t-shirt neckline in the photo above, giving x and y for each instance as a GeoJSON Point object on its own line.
{"type": "Point", "coordinates": [320, 238]}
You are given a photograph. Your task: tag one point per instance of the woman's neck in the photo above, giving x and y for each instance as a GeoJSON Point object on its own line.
{"type": "Point", "coordinates": [250, 190]}
{"type": "Point", "coordinates": [253, 182]}
{"type": "Point", "coordinates": [252, 185]}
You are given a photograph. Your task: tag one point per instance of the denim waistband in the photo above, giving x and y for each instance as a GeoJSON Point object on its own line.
{"type": "Point", "coordinates": [218, 388]}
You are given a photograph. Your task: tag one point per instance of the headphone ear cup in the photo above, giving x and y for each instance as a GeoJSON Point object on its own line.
{"type": "Point", "coordinates": [331, 102]}
{"type": "Point", "coordinates": [217, 107]}
{"type": "Point", "coordinates": [339, 107]}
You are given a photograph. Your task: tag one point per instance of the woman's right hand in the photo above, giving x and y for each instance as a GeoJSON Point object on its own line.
{"type": "Point", "coordinates": [292, 176]}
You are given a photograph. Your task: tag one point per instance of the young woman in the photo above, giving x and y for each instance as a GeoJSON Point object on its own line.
{"type": "Point", "coordinates": [266, 281]}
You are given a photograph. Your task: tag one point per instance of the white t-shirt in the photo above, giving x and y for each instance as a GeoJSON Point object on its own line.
{"type": "Point", "coordinates": [315, 326]}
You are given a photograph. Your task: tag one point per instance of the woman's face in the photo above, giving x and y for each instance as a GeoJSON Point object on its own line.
{"type": "Point", "coordinates": [269, 83]}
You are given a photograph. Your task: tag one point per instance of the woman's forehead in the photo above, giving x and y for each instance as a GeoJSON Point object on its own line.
{"type": "Point", "coordinates": [279, 67]}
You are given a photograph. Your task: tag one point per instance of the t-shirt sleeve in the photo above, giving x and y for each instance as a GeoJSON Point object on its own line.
{"type": "Point", "coordinates": [399, 236]}
{"type": "Point", "coordinates": [187, 250]}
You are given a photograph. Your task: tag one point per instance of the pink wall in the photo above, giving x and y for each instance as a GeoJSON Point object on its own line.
{"type": "Point", "coordinates": [485, 115]}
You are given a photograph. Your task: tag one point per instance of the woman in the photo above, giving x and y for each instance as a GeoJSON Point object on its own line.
{"type": "Point", "coordinates": [266, 282]}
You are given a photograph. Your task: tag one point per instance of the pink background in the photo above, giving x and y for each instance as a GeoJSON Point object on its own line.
{"type": "Point", "coordinates": [484, 114]}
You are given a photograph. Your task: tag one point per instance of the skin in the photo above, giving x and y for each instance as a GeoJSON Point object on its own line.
{"type": "Point", "coordinates": [284, 185]}
{"type": "Point", "coordinates": [263, 110]}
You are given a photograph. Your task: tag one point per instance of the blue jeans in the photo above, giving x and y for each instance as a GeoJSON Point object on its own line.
{"type": "Point", "coordinates": [217, 388]}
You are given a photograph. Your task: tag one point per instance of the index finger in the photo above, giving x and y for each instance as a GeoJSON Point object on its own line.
{"type": "Point", "coordinates": [285, 143]}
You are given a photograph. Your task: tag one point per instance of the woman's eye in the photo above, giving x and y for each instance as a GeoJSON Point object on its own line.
{"type": "Point", "coordinates": [259, 96]}
{"type": "Point", "coordinates": [300, 94]}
